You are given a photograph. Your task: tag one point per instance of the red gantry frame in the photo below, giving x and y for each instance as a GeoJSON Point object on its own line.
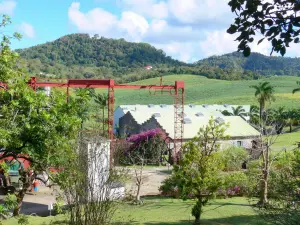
{"type": "Point", "coordinates": [177, 91]}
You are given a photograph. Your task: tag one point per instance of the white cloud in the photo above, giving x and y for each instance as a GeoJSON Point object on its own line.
{"type": "Point", "coordinates": [184, 51]}
{"type": "Point", "coordinates": [134, 25]}
{"type": "Point", "coordinates": [220, 42]}
{"type": "Point", "coordinates": [194, 11]}
{"type": "Point", "coordinates": [26, 29]}
{"type": "Point", "coordinates": [94, 21]}
{"type": "Point", "coordinates": [148, 8]}
{"type": "Point", "coordinates": [186, 30]}
{"type": "Point", "coordinates": [130, 26]}
{"type": "Point", "coordinates": [7, 7]}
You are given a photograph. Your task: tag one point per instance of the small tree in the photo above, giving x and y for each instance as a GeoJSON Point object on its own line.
{"type": "Point", "coordinates": [198, 173]}
{"type": "Point", "coordinates": [89, 184]}
{"type": "Point", "coordinates": [147, 148]}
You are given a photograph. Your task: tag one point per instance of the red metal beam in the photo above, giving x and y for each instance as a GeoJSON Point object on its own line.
{"type": "Point", "coordinates": [178, 94]}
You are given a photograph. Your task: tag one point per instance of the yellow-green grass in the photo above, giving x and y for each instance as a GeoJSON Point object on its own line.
{"type": "Point", "coordinates": [167, 211]}
{"type": "Point", "coordinates": [200, 90]}
{"type": "Point", "coordinates": [286, 141]}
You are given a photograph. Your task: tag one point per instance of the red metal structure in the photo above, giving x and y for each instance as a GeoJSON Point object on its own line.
{"type": "Point", "coordinates": [177, 91]}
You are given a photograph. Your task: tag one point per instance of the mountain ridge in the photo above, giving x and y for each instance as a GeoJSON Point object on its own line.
{"type": "Point", "coordinates": [85, 56]}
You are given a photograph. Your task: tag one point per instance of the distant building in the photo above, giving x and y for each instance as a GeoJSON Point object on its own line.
{"type": "Point", "coordinates": [148, 67]}
{"type": "Point", "coordinates": [133, 119]}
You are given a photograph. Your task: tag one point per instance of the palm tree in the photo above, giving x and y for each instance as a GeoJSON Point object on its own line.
{"type": "Point", "coordinates": [292, 116]}
{"type": "Point", "coordinates": [254, 115]}
{"type": "Point", "coordinates": [278, 117]}
{"type": "Point", "coordinates": [102, 101]}
{"type": "Point", "coordinates": [238, 111]}
{"type": "Point", "coordinates": [264, 92]}
{"type": "Point", "coordinates": [296, 89]}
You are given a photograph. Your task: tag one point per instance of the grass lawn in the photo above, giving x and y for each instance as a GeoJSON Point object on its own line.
{"type": "Point", "coordinates": [167, 211]}
{"type": "Point", "coordinates": [287, 141]}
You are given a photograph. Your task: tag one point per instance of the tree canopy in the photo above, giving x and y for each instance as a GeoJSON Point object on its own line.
{"type": "Point", "coordinates": [278, 21]}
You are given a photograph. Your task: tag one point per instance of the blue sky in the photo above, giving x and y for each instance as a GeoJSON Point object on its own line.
{"type": "Point", "coordinates": [187, 30]}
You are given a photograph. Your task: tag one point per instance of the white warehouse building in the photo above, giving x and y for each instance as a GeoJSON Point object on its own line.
{"type": "Point", "coordinates": [133, 119]}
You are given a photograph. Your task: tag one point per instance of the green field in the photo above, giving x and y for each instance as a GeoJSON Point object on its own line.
{"type": "Point", "coordinates": [200, 90]}
{"type": "Point", "coordinates": [166, 211]}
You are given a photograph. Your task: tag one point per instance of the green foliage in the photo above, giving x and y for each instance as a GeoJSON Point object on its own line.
{"type": "Point", "coordinates": [23, 220]}
{"type": "Point", "coordinates": [233, 158]}
{"type": "Point", "coordinates": [255, 63]}
{"type": "Point", "coordinates": [89, 57]}
{"type": "Point", "coordinates": [198, 173]}
{"type": "Point", "coordinates": [58, 206]}
{"type": "Point", "coordinates": [5, 167]}
{"type": "Point", "coordinates": [38, 128]}
{"type": "Point", "coordinates": [276, 21]}
{"type": "Point", "coordinates": [236, 183]}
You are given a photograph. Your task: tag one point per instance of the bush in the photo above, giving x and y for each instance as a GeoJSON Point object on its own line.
{"type": "Point", "coordinates": [235, 184]}
{"type": "Point", "coordinates": [233, 158]}
{"type": "Point", "coordinates": [169, 188]}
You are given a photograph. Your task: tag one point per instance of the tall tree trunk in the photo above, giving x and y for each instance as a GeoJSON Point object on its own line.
{"type": "Point", "coordinates": [265, 178]}
{"type": "Point", "coordinates": [138, 193]}
{"type": "Point", "coordinates": [291, 127]}
{"type": "Point", "coordinates": [197, 210]}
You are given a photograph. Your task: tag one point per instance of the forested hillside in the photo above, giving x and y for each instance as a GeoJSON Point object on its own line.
{"type": "Point", "coordinates": [261, 64]}
{"type": "Point", "coordinates": [82, 56]}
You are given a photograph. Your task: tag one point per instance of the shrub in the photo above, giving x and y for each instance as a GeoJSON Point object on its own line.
{"type": "Point", "coordinates": [169, 188]}
{"type": "Point", "coordinates": [233, 158]}
{"type": "Point", "coordinates": [235, 184]}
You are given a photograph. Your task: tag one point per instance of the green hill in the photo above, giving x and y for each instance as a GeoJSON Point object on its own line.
{"type": "Point", "coordinates": [82, 56]}
{"type": "Point", "coordinates": [261, 64]}
{"type": "Point", "coordinates": [200, 90]}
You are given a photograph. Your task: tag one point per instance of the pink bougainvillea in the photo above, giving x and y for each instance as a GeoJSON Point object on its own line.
{"type": "Point", "coordinates": [145, 135]}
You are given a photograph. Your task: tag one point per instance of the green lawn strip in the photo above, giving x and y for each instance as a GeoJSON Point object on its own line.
{"type": "Point", "coordinates": [175, 211]}
{"type": "Point", "coordinates": [168, 211]}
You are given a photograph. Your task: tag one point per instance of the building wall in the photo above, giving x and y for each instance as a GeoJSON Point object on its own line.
{"type": "Point", "coordinates": [117, 115]}
{"type": "Point", "coordinates": [127, 125]}
{"type": "Point", "coordinates": [246, 143]}
{"type": "Point", "coordinates": [150, 124]}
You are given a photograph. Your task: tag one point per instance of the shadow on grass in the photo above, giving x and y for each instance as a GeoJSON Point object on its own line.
{"type": "Point", "coordinates": [234, 220]}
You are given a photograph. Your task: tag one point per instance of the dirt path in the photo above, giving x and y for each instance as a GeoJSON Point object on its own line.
{"type": "Point", "coordinates": [152, 180]}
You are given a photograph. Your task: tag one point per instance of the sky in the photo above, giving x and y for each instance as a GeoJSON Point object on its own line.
{"type": "Point", "coordinates": [187, 30]}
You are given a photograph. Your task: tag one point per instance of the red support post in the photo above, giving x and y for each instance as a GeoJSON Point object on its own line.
{"type": "Point", "coordinates": [32, 83]}
{"type": "Point", "coordinates": [178, 119]}
{"type": "Point", "coordinates": [68, 86]}
{"type": "Point", "coordinates": [111, 106]}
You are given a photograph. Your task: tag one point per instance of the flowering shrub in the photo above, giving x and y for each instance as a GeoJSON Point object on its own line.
{"type": "Point", "coordinates": [146, 147]}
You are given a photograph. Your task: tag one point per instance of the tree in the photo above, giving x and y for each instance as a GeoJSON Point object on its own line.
{"type": "Point", "coordinates": [33, 126]}
{"type": "Point", "coordinates": [102, 102]}
{"type": "Point", "coordinates": [254, 115]}
{"type": "Point", "coordinates": [198, 173]}
{"type": "Point", "coordinates": [238, 111]}
{"type": "Point", "coordinates": [283, 207]}
{"type": "Point", "coordinates": [278, 21]}
{"type": "Point", "coordinates": [89, 185]}
{"type": "Point", "coordinates": [296, 89]}
{"type": "Point", "coordinates": [147, 148]}
{"type": "Point", "coordinates": [264, 93]}
{"type": "Point", "coordinates": [279, 119]}
{"type": "Point", "coordinates": [291, 117]}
